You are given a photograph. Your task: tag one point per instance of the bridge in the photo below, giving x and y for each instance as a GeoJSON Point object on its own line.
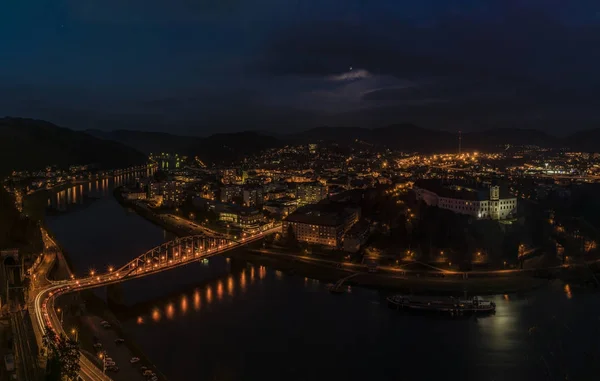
{"type": "Point", "coordinates": [167, 256]}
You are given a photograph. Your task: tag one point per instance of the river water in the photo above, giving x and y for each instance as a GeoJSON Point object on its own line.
{"type": "Point", "coordinates": [232, 320]}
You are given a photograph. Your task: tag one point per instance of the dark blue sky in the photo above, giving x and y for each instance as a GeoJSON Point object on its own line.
{"type": "Point", "coordinates": [199, 66]}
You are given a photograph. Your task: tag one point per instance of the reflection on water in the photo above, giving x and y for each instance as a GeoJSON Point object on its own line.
{"type": "Point", "coordinates": [197, 300]}
{"type": "Point", "coordinates": [262, 272]}
{"type": "Point", "coordinates": [170, 311]}
{"type": "Point", "coordinates": [243, 281]}
{"type": "Point", "coordinates": [236, 285]}
{"type": "Point", "coordinates": [219, 290]}
{"type": "Point", "coordinates": [184, 304]}
{"type": "Point", "coordinates": [156, 315]}
{"type": "Point", "coordinates": [77, 194]}
{"type": "Point", "coordinates": [230, 286]}
{"type": "Point", "coordinates": [208, 294]}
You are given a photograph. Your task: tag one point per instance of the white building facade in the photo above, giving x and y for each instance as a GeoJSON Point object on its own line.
{"type": "Point", "coordinates": [478, 205]}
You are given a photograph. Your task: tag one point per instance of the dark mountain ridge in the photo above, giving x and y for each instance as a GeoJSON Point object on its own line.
{"type": "Point", "coordinates": [405, 136]}
{"type": "Point", "coordinates": [27, 144]}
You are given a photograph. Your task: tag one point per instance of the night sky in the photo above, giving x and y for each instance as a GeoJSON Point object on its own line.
{"type": "Point", "coordinates": [200, 66]}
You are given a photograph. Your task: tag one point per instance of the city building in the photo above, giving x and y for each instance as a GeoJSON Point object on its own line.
{"type": "Point", "coordinates": [323, 224]}
{"type": "Point", "coordinates": [229, 192]}
{"type": "Point", "coordinates": [172, 192]}
{"type": "Point", "coordinates": [356, 236]}
{"type": "Point", "coordinates": [242, 217]}
{"type": "Point", "coordinates": [253, 196]}
{"type": "Point", "coordinates": [281, 207]}
{"type": "Point", "coordinates": [479, 201]}
{"type": "Point", "coordinates": [310, 192]}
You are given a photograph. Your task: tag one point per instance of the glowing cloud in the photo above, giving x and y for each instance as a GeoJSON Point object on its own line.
{"type": "Point", "coordinates": [350, 75]}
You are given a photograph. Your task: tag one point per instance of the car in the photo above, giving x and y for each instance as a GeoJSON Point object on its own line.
{"type": "Point", "coordinates": [119, 341]}
{"type": "Point", "coordinates": [97, 345]}
{"type": "Point", "coordinates": [113, 368]}
{"type": "Point", "coordinates": [103, 322]}
{"type": "Point", "coordinates": [110, 363]}
{"type": "Point", "coordinates": [154, 378]}
{"type": "Point", "coordinates": [134, 360]}
{"type": "Point", "coordinates": [107, 326]}
{"type": "Point", "coordinates": [147, 372]}
{"type": "Point", "coordinates": [108, 359]}
{"type": "Point", "coordinates": [143, 368]}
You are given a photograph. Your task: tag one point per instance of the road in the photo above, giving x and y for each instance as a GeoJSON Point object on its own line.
{"type": "Point", "coordinates": [118, 352]}
{"type": "Point", "coordinates": [41, 298]}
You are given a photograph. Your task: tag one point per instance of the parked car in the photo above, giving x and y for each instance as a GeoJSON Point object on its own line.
{"type": "Point", "coordinates": [134, 360]}
{"type": "Point", "coordinates": [119, 341]}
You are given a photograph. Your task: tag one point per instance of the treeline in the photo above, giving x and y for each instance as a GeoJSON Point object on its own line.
{"type": "Point", "coordinates": [17, 230]}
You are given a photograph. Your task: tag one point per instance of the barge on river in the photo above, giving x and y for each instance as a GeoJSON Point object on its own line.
{"type": "Point", "coordinates": [450, 305]}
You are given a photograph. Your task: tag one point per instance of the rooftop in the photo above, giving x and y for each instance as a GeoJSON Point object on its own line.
{"type": "Point", "coordinates": [461, 190]}
{"type": "Point", "coordinates": [320, 214]}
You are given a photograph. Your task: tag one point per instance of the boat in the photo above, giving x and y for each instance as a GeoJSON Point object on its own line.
{"type": "Point", "coordinates": [450, 305]}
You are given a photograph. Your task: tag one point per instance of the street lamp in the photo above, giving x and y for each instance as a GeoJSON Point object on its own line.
{"type": "Point", "coordinates": [76, 333]}
{"type": "Point", "coordinates": [61, 314]}
{"type": "Point", "coordinates": [103, 358]}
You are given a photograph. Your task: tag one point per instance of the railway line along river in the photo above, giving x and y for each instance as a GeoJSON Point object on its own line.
{"type": "Point", "coordinates": [230, 319]}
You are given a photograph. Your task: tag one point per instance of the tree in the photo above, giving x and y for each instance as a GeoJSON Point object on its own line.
{"type": "Point", "coordinates": [291, 239]}
{"type": "Point", "coordinates": [63, 356]}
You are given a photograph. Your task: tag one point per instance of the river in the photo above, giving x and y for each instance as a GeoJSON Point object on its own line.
{"type": "Point", "coordinates": [232, 320]}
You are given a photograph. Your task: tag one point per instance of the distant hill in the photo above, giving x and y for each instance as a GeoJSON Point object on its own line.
{"type": "Point", "coordinates": [149, 142]}
{"type": "Point", "coordinates": [415, 138]}
{"type": "Point", "coordinates": [408, 137]}
{"type": "Point", "coordinates": [215, 148]}
{"type": "Point", "coordinates": [33, 144]}
{"type": "Point", "coordinates": [586, 140]}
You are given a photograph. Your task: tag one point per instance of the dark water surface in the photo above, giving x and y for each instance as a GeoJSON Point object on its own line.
{"type": "Point", "coordinates": [233, 320]}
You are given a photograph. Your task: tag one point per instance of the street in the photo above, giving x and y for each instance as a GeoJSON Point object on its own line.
{"type": "Point", "coordinates": [120, 353]}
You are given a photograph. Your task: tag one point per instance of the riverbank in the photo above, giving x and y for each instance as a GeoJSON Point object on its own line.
{"type": "Point", "coordinates": [149, 215]}
{"type": "Point", "coordinates": [392, 283]}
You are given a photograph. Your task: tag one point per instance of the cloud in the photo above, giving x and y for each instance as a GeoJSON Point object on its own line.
{"type": "Point", "coordinates": [350, 75]}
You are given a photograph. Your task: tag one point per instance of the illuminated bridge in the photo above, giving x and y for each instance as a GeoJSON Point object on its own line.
{"type": "Point", "coordinates": [167, 256]}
